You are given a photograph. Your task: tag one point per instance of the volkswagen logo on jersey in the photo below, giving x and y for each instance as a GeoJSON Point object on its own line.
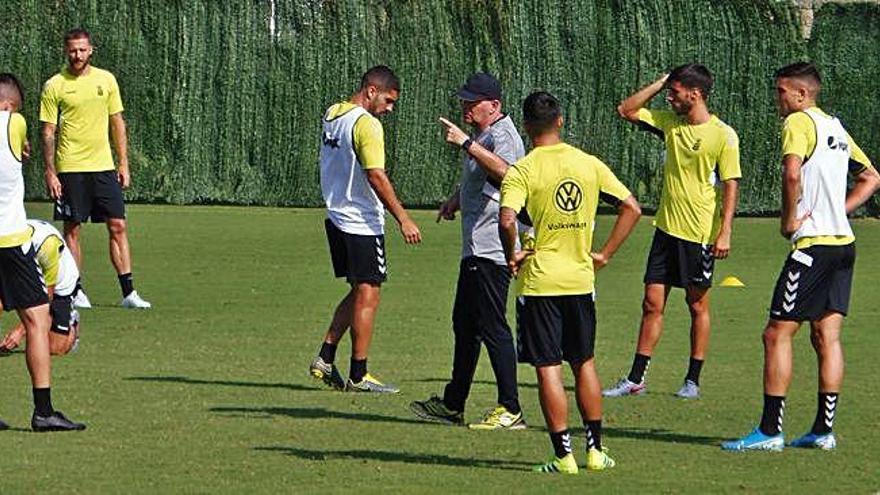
{"type": "Point", "coordinates": [568, 196]}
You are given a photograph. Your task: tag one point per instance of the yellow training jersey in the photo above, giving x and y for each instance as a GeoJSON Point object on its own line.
{"type": "Point", "coordinates": [81, 106]}
{"type": "Point", "coordinates": [799, 139]}
{"type": "Point", "coordinates": [559, 186]}
{"type": "Point", "coordinates": [698, 158]}
{"type": "Point", "coordinates": [369, 137]}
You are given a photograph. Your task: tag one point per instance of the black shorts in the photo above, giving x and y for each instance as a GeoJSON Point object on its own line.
{"type": "Point", "coordinates": [813, 282]}
{"type": "Point", "coordinates": [358, 258]}
{"type": "Point", "coordinates": [21, 280]}
{"type": "Point", "coordinates": [551, 329]}
{"type": "Point", "coordinates": [679, 263]}
{"type": "Point", "coordinates": [61, 308]}
{"type": "Point", "coordinates": [89, 194]}
{"type": "Point", "coordinates": [481, 297]}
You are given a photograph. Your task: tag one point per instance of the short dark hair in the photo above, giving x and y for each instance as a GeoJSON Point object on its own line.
{"type": "Point", "coordinates": [800, 70]}
{"type": "Point", "coordinates": [382, 77]}
{"type": "Point", "coordinates": [540, 111]}
{"type": "Point", "coordinates": [77, 34]}
{"type": "Point", "coordinates": [8, 84]}
{"type": "Point", "coordinates": [693, 76]}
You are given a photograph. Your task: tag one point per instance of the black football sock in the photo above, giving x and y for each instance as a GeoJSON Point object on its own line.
{"type": "Point", "coordinates": [358, 370]}
{"type": "Point", "coordinates": [694, 368]}
{"type": "Point", "coordinates": [593, 429]}
{"type": "Point", "coordinates": [126, 284]}
{"type": "Point", "coordinates": [327, 352]}
{"type": "Point", "coordinates": [825, 412]}
{"type": "Point", "coordinates": [43, 401]}
{"type": "Point", "coordinates": [639, 367]}
{"type": "Point", "coordinates": [771, 419]}
{"type": "Point", "coordinates": [561, 443]}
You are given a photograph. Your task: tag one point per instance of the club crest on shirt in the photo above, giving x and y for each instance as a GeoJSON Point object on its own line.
{"type": "Point", "coordinates": [100, 90]}
{"type": "Point", "coordinates": [330, 141]}
{"type": "Point", "coordinates": [568, 196]}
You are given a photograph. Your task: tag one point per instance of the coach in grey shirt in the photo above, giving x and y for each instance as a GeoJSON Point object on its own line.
{"type": "Point", "coordinates": [479, 315]}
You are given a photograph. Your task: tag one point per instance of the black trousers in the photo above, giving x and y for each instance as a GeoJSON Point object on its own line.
{"type": "Point", "coordinates": [480, 316]}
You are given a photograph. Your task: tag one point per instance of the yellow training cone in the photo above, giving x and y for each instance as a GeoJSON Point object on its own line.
{"type": "Point", "coordinates": [732, 282]}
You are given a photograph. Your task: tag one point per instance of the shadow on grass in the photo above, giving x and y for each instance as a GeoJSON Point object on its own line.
{"type": "Point", "coordinates": [320, 413]}
{"type": "Point", "coordinates": [398, 456]}
{"type": "Point", "coordinates": [532, 386]}
{"type": "Point", "coordinates": [660, 435]}
{"type": "Point", "coordinates": [227, 383]}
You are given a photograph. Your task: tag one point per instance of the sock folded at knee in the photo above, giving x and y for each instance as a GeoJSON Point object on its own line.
{"type": "Point", "coordinates": [639, 368]}
{"type": "Point", "coordinates": [43, 401]}
{"type": "Point", "coordinates": [126, 284]}
{"type": "Point", "coordinates": [825, 412]}
{"type": "Point", "coordinates": [771, 418]}
{"type": "Point", "coordinates": [357, 370]}
{"type": "Point", "coordinates": [328, 352]}
{"type": "Point", "coordinates": [694, 368]}
{"type": "Point", "coordinates": [593, 430]}
{"type": "Point", "coordinates": [561, 443]}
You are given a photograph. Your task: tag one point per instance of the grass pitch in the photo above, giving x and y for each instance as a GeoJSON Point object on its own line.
{"type": "Point", "coordinates": [209, 391]}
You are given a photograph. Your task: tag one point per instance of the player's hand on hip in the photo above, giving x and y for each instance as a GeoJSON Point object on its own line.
{"type": "Point", "coordinates": [410, 231]}
{"type": "Point", "coordinates": [599, 261]}
{"type": "Point", "coordinates": [454, 135]}
{"type": "Point", "coordinates": [26, 151]}
{"type": "Point", "coordinates": [446, 212]}
{"type": "Point", "coordinates": [53, 186]}
{"type": "Point", "coordinates": [721, 248]}
{"type": "Point", "coordinates": [123, 177]}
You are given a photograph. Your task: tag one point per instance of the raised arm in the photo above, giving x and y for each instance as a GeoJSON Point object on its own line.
{"type": "Point", "coordinates": [378, 180]}
{"type": "Point", "coordinates": [629, 108]}
{"type": "Point", "coordinates": [495, 166]}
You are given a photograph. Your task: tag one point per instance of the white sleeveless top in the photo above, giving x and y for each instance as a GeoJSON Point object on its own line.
{"type": "Point", "coordinates": [823, 182]}
{"type": "Point", "coordinates": [352, 205]}
{"type": "Point", "coordinates": [12, 215]}
{"type": "Point", "coordinates": [68, 273]}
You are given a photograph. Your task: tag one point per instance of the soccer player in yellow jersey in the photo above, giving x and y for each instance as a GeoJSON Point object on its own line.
{"type": "Point", "coordinates": [77, 107]}
{"type": "Point", "coordinates": [815, 282]}
{"type": "Point", "coordinates": [694, 220]}
{"type": "Point", "coordinates": [560, 187]}
{"type": "Point", "coordinates": [356, 192]}
{"type": "Point", "coordinates": [21, 284]}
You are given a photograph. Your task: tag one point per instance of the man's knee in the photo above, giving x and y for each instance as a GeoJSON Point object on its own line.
{"type": "Point", "coordinates": [116, 227]}
{"type": "Point", "coordinates": [367, 294]}
{"type": "Point", "coordinates": [697, 301]}
{"type": "Point", "coordinates": [652, 306]}
{"type": "Point", "coordinates": [71, 231]}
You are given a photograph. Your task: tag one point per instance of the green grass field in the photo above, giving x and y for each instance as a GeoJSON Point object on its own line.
{"type": "Point", "coordinates": [209, 391]}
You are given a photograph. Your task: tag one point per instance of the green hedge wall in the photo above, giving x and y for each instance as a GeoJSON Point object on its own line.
{"type": "Point", "coordinates": [221, 108]}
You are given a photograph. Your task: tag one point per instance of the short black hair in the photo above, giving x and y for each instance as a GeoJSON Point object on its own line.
{"type": "Point", "coordinates": [77, 34]}
{"type": "Point", "coordinates": [800, 70]}
{"type": "Point", "coordinates": [8, 84]}
{"type": "Point", "coordinates": [693, 76]}
{"type": "Point", "coordinates": [382, 77]}
{"type": "Point", "coordinates": [540, 111]}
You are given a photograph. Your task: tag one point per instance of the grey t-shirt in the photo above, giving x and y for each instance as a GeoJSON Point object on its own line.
{"type": "Point", "coordinates": [479, 198]}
